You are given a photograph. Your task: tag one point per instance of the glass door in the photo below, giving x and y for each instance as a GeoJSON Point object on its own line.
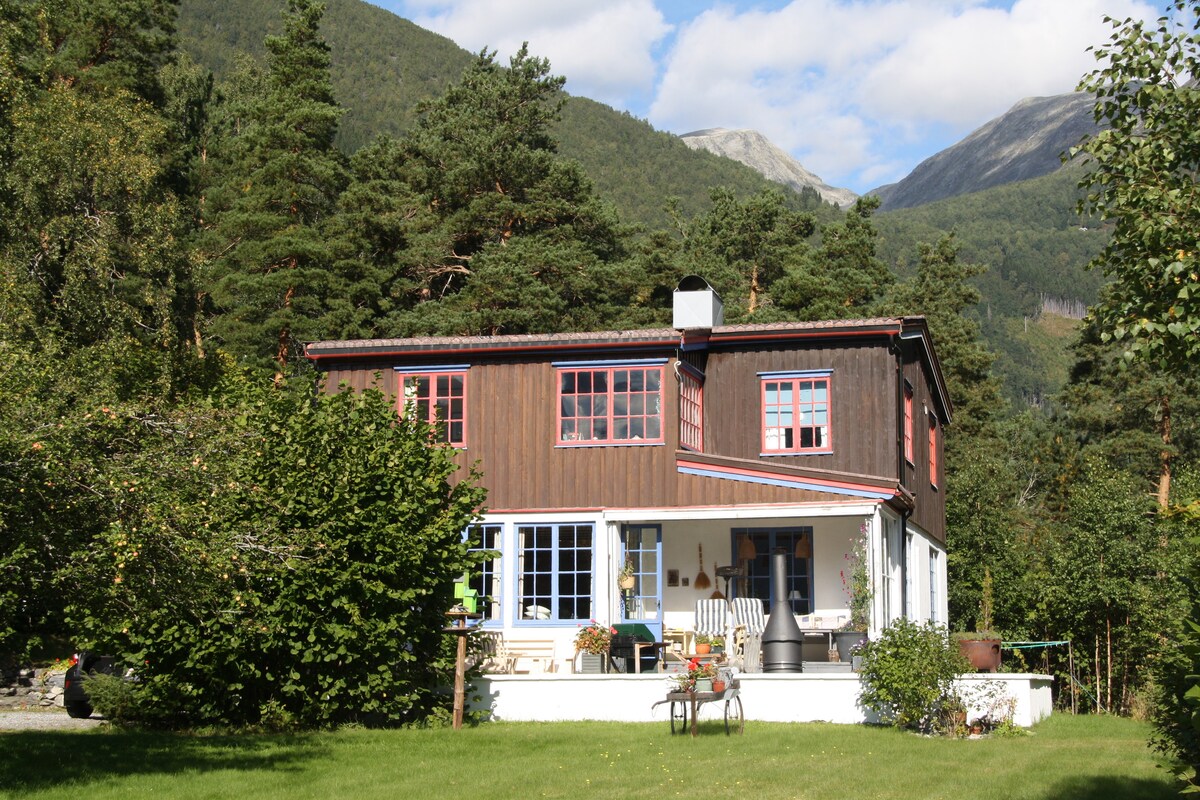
{"type": "Point", "coordinates": [640, 581]}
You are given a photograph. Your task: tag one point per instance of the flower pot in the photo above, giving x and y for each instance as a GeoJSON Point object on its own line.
{"type": "Point", "coordinates": [984, 654]}
{"type": "Point", "coordinates": [718, 685]}
{"type": "Point", "coordinates": [592, 663]}
{"type": "Point", "coordinates": [704, 684]}
{"type": "Point", "coordinates": [703, 649]}
{"type": "Point", "coordinates": [846, 641]}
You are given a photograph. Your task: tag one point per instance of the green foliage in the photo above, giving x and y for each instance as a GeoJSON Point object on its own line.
{"type": "Point", "coordinates": [1145, 182]}
{"type": "Point", "coordinates": [908, 674]}
{"type": "Point", "coordinates": [270, 274]}
{"type": "Point", "coordinates": [281, 558]}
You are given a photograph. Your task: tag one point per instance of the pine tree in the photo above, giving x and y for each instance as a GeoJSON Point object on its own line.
{"type": "Point", "coordinates": [271, 275]}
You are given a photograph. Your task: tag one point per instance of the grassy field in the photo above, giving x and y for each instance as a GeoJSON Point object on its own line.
{"type": "Point", "coordinates": [1065, 758]}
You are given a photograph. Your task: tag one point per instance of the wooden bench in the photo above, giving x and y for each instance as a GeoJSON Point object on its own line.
{"type": "Point", "coordinates": [530, 655]}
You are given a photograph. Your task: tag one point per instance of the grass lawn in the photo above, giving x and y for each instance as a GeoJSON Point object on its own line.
{"type": "Point", "coordinates": [1065, 758]}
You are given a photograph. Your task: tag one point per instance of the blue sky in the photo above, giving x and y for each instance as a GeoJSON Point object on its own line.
{"type": "Point", "coordinates": [859, 91]}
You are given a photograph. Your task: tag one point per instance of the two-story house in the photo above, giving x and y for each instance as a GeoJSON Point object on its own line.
{"type": "Point", "coordinates": [660, 447]}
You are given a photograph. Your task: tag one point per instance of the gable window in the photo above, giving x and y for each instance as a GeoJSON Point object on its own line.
{"type": "Point", "coordinates": [908, 423]}
{"type": "Point", "coordinates": [933, 449]}
{"type": "Point", "coordinates": [796, 543]}
{"type": "Point", "coordinates": [486, 579]}
{"type": "Point", "coordinates": [439, 397]}
{"type": "Point", "coordinates": [795, 407]}
{"type": "Point", "coordinates": [554, 572]}
{"type": "Point", "coordinates": [691, 412]}
{"type": "Point", "coordinates": [610, 403]}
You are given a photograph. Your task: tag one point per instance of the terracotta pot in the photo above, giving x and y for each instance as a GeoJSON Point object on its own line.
{"type": "Point", "coordinates": [718, 685]}
{"type": "Point", "coordinates": [703, 649]}
{"type": "Point", "coordinates": [984, 654]}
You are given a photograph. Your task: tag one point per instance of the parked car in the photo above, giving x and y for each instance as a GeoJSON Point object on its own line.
{"type": "Point", "coordinates": [83, 664]}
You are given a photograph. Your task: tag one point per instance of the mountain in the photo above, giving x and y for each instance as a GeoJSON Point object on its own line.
{"type": "Point", "coordinates": [756, 151]}
{"type": "Point", "coordinates": [383, 66]}
{"type": "Point", "coordinates": [1025, 142]}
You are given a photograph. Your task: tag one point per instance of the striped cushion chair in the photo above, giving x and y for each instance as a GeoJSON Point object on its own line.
{"type": "Point", "coordinates": [712, 617]}
{"type": "Point", "coordinates": [749, 622]}
{"type": "Point", "coordinates": [748, 611]}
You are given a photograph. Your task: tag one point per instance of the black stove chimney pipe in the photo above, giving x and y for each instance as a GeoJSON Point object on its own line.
{"type": "Point", "coordinates": [783, 641]}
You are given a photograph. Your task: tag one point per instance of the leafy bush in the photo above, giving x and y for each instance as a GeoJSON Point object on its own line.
{"type": "Point", "coordinates": [287, 562]}
{"type": "Point", "coordinates": [908, 673]}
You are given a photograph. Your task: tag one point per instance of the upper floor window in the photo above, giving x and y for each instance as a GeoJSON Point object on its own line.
{"type": "Point", "coordinates": [610, 404]}
{"type": "Point", "coordinates": [795, 412]}
{"type": "Point", "coordinates": [933, 449]}
{"type": "Point", "coordinates": [908, 423]}
{"type": "Point", "coordinates": [439, 397]}
{"type": "Point", "coordinates": [691, 412]}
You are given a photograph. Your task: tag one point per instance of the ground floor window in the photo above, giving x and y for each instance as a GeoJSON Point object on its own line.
{"type": "Point", "coordinates": [754, 548]}
{"type": "Point", "coordinates": [486, 579]}
{"type": "Point", "coordinates": [554, 569]}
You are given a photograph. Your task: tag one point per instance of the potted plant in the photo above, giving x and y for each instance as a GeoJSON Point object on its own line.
{"type": "Point", "coordinates": [696, 677]}
{"type": "Point", "coordinates": [856, 583]}
{"type": "Point", "coordinates": [592, 643]}
{"type": "Point", "coordinates": [717, 644]}
{"type": "Point", "coordinates": [981, 647]}
{"type": "Point", "coordinates": [627, 577]}
{"type": "Point", "coordinates": [703, 644]}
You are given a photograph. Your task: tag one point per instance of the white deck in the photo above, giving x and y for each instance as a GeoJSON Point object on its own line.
{"type": "Point", "coordinates": [768, 697]}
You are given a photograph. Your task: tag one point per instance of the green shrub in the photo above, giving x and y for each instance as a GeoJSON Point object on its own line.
{"type": "Point", "coordinates": [908, 674]}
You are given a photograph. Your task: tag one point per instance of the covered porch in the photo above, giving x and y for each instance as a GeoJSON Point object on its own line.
{"type": "Point", "coordinates": [556, 573]}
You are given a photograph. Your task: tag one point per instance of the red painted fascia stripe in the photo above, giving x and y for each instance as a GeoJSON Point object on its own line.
{"type": "Point", "coordinates": [721, 338]}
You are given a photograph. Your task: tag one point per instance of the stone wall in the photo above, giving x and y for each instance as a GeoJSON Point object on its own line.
{"type": "Point", "coordinates": [32, 687]}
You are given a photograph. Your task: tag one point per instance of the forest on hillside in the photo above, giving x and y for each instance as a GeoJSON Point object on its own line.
{"type": "Point", "coordinates": [170, 239]}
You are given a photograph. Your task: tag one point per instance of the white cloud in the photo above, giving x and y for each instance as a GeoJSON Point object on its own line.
{"type": "Point", "coordinates": [838, 84]}
{"type": "Point", "coordinates": [604, 50]}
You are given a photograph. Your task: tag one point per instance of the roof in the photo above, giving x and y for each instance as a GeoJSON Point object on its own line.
{"type": "Point", "coordinates": [648, 338]}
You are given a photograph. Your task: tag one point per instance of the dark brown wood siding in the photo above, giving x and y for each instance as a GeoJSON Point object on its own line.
{"type": "Point", "coordinates": [863, 424]}
{"type": "Point", "coordinates": [511, 429]}
{"type": "Point", "coordinates": [929, 494]}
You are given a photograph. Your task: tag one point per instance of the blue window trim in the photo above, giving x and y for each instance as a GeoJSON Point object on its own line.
{"type": "Point", "coordinates": [488, 622]}
{"type": "Point", "coordinates": [519, 601]}
{"type": "Point", "coordinates": [432, 368]}
{"type": "Point", "coordinates": [798, 373]}
{"type": "Point", "coordinates": [631, 362]}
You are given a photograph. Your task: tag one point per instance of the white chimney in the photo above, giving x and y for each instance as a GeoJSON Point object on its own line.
{"type": "Point", "coordinates": [696, 305]}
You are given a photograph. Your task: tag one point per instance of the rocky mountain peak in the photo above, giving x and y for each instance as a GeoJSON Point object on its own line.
{"type": "Point", "coordinates": [756, 151]}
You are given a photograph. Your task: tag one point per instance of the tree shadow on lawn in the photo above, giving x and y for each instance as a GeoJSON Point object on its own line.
{"type": "Point", "coordinates": [40, 760]}
{"type": "Point", "coordinates": [1108, 788]}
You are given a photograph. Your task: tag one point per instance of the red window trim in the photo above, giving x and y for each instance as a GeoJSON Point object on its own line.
{"type": "Point", "coordinates": [431, 417]}
{"type": "Point", "coordinates": [826, 446]}
{"type": "Point", "coordinates": [908, 423]}
{"type": "Point", "coordinates": [691, 412]}
{"type": "Point", "coordinates": [609, 415]}
{"type": "Point", "coordinates": [933, 450]}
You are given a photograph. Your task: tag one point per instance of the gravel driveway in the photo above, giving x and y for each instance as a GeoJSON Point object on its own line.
{"type": "Point", "coordinates": [47, 720]}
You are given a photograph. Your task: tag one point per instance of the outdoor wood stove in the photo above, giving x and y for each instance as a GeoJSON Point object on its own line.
{"type": "Point", "coordinates": [782, 641]}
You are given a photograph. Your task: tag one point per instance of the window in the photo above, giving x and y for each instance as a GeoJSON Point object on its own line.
{"type": "Point", "coordinates": [487, 580]}
{"type": "Point", "coordinates": [610, 405]}
{"type": "Point", "coordinates": [796, 544]}
{"type": "Point", "coordinates": [933, 449]}
{"type": "Point", "coordinates": [440, 399]}
{"type": "Point", "coordinates": [795, 413]}
{"type": "Point", "coordinates": [933, 586]}
{"type": "Point", "coordinates": [908, 423]}
{"type": "Point", "coordinates": [691, 412]}
{"type": "Point", "coordinates": [554, 564]}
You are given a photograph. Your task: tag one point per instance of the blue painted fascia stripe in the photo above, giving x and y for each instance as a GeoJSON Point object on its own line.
{"type": "Point", "coordinates": [787, 483]}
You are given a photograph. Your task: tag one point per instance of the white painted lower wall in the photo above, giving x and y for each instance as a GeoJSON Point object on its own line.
{"type": "Point", "coordinates": [768, 697]}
